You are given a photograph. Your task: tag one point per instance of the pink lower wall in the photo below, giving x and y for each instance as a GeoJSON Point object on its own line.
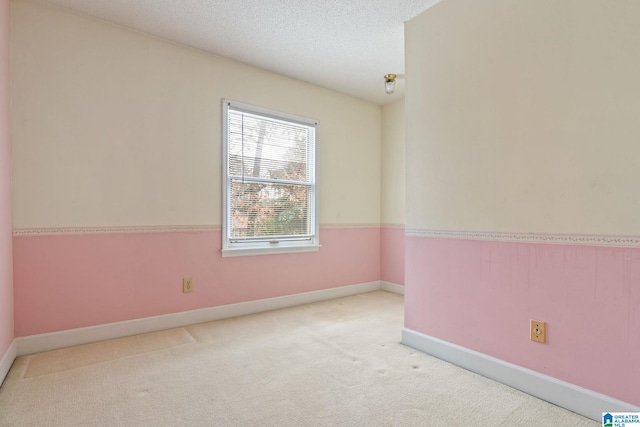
{"type": "Point", "coordinates": [482, 294]}
{"type": "Point", "coordinates": [6, 275]}
{"type": "Point", "coordinates": [392, 255]}
{"type": "Point", "coordinates": [70, 281]}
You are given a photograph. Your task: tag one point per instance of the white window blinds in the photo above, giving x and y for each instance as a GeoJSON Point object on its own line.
{"type": "Point", "coordinates": [270, 182]}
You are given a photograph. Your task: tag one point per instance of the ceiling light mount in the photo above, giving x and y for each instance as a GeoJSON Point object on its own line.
{"type": "Point", "coordinates": [389, 83]}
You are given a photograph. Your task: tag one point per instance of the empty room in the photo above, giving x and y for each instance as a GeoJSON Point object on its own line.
{"type": "Point", "coordinates": [319, 213]}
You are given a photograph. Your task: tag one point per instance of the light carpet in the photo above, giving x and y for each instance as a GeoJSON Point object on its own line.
{"type": "Point", "coordinates": [332, 363]}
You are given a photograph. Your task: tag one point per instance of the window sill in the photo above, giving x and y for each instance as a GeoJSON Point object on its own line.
{"type": "Point", "coordinates": [268, 251]}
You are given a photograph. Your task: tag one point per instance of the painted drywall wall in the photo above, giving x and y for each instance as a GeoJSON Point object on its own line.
{"type": "Point", "coordinates": [6, 262]}
{"type": "Point", "coordinates": [392, 189]}
{"type": "Point", "coordinates": [528, 121]}
{"type": "Point", "coordinates": [521, 118]}
{"type": "Point", "coordinates": [393, 175]}
{"type": "Point", "coordinates": [115, 130]}
{"type": "Point", "coordinates": [128, 276]}
{"type": "Point", "coordinates": [392, 241]}
{"type": "Point", "coordinates": [125, 129]}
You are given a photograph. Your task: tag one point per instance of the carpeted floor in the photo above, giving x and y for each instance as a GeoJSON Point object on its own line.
{"type": "Point", "coordinates": [333, 363]}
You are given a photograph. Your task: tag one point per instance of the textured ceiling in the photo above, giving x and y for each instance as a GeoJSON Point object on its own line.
{"type": "Point", "coordinates": [344, 45]}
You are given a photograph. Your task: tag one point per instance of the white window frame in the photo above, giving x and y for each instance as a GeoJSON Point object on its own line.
{"type": "Point", "coordinates": [266, 246]}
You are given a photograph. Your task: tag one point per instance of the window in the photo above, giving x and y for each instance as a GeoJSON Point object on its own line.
{"type": "Point", "coordinates": [269, 181]}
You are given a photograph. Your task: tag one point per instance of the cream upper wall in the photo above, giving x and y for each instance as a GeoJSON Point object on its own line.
{"type": "Point", "coordinates": [116, 128]}
{"type": "Point", "coordinates": [523, 116]}
{"type": "Point", "coordinates": [393, 164]}
{"type": "Point", "coordinates": [6, 242]}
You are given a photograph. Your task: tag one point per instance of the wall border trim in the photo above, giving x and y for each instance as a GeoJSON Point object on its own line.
{"type": "Point", "coordinates": [567, 239]}
{"type": "Point", "coordinates": [60, 231]}
{"type": "Point", "coordinates": [569, 396]}
{"type": "Point", "coordinates": [391, 225]}
{"type": "Point", "coordinates": [57, 231]}
{"type": "Point", "coordinates": [60, 339]}
{"type": "Point", "coordinates": [337, 225]}
{"type": "Point", "coordinates": [7, 360]}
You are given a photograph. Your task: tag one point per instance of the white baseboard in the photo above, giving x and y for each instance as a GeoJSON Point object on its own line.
{"type": "Point", "coordinates": [566, 395]}
{"type": "Point", "coordinates": [391, 287]}
{"type": "Point", "coordinates": [54, 340]}
{"type": "Point", "coordinates": [7, 360]}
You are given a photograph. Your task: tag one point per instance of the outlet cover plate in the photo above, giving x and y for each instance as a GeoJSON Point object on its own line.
{"type": "Point", "coordinates": [538, 331]}
{"type": "Point", "coordinates": [187, 285]}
